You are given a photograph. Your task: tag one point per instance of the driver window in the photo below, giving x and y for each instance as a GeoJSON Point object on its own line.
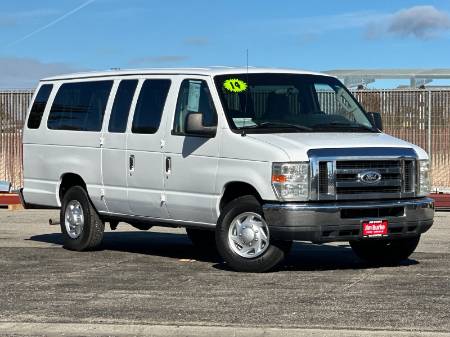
{"type": "Point", "coordinates": [194, 97]}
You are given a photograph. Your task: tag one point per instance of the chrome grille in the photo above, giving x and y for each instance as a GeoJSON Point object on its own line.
{"type": "Point", "coordinates": [394, 179]}
{"type": "Point", "coordinates": [390, 182]}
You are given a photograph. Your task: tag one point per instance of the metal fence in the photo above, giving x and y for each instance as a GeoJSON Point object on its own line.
{"type": "Point", "coordinates": [13, 107]}
{"type": "Point", "coordinates": [419, 116]}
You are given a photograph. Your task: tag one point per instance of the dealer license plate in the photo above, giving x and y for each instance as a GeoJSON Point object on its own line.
{"type": "Point", "coordinates": [374, 228]}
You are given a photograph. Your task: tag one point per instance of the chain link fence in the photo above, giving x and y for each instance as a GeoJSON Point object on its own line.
{"type": "Point", "coordinates": [418, 116]}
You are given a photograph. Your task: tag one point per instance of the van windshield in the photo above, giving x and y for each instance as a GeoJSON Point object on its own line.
{"type": "Point", "coordinates": [270, 102]}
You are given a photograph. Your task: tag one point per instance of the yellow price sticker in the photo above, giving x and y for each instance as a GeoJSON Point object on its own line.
{"type": "Point", "coordinates": [235, 85]}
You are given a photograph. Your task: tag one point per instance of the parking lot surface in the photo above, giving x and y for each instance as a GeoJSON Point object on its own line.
{"type": "Point", "coordinates": [155, 283]}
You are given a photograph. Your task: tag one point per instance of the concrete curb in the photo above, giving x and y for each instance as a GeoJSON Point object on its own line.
{"type": "Point", "coordinates": [69, 329]}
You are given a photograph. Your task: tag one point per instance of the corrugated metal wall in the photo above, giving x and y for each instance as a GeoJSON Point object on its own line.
{"type": "Point", "coordinates": [418, 116]}
{"type": "Point", "coordinates": [13, 107]}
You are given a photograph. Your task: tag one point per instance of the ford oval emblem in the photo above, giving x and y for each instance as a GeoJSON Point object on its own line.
{"type": "Point", "coordinates": [369, 177]}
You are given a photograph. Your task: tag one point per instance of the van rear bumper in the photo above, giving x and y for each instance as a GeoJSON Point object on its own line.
{"type": "Point", "coordinates": [342, 221]}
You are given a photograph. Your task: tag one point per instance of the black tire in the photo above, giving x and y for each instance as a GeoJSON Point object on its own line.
{"type": "Point", "coordinates": [203, 240]}
{"type": "Point", "coordinates": [91, 235]}
{"type": "Point", "coordinates": [385, 251]}
{"type": "Point", "coordinates": [275, 253]}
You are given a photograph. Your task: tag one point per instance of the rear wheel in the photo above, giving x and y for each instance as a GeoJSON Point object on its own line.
{"type": "Point", "coordinates": [80, 223]}
{"type": "Point", "coordinates": [385, 251]}
{"type": "Point", "coordinates": [243, 238]}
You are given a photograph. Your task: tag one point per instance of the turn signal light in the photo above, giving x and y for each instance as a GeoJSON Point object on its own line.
{"type": "Point", "coordinates": [279, 178]}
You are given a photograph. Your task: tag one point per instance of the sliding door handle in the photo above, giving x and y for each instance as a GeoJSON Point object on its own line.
{"type": "Point", "coordinates": [132, 163]}
{"type": "Point", "coordinates": [168, 165]}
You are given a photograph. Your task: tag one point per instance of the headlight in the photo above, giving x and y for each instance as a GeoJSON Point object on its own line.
{"type": "Point", "coordinates": [424, 183]}
{"type": "Point", "coordinates": [290, 181]}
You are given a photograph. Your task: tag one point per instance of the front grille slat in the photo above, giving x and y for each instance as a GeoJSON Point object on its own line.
{"type": "Point", "coordinates": [385, 170]}
{"type": "Point", "coordinates": [397, 179]}
{"type": "Point", "coordinates": [366, 164]}
{"type": "Point", "coordinates": [382, 183]}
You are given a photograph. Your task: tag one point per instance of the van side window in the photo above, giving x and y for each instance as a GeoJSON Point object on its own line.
{"type": "Point", "coordinates": [121, 107]}
{"type": "Point", "coordinates": [194, 96]}
{"type": "Point", "coordinates": [39, 104]}
{"type": "Point", "coordinates": [80, 106]}
{"type": "Point", "coordinates": [150, 106]}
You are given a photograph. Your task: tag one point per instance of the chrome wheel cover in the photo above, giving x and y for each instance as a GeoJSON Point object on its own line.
{"type": "Point", "coordinates": [74, 219]}
{"type": "Point", "coordinates": [248, 235]}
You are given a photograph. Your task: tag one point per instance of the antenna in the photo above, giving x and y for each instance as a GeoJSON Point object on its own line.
{"type": "Point", "coordinates": [246, 95]}
{"type": "Point", "coordinates": [247, 61]}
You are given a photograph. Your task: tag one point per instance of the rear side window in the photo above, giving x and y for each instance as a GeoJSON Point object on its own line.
{"type": "Point", "coordinates": [80, 106]}
{"type": "Point", "coordinates": [39, 104]}
{"type": "Point", "coordinates": [150, 106]}
{"type": "Point", "coordinates": [121, 107]}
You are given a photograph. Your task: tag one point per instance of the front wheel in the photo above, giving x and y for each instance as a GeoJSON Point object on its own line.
{"type": "Point", "coordinates": [243, 237]}
{"type": "Point", "coordinates": [385, 251]}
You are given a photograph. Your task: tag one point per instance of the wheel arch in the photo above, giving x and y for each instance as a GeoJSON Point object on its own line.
{"type": "Point", "coordinates": [236, 189]}
{"type": "Point", "coordinates": [66, 181]}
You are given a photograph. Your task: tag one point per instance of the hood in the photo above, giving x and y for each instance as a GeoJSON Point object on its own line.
{"type": "Point", "coordinates": [296, 145]}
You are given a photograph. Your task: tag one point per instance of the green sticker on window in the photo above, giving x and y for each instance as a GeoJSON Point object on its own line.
{"type": "Point", "coordinates": [235, 85]}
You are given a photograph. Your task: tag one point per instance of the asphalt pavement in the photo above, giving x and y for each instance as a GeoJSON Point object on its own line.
{"type": "Point", "coordinates": [154, 283]}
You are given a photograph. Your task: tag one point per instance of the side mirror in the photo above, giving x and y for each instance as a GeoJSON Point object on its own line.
{"type": "Point", "coordinates": [194, 126]}
{"type": "Point", "coordinates": [376, 118]}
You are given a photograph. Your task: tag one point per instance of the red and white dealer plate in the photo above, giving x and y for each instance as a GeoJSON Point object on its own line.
{"type": "Point", "coordinates": [374, 228]}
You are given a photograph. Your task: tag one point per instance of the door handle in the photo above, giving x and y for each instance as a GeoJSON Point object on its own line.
{"type": "Point", "coordinates": [131, 164]}
{"type": "Point", "coordinates": [168, 165]}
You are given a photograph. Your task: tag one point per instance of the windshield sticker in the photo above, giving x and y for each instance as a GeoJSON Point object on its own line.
{"type": "Point", "coordinates": [235, 85]}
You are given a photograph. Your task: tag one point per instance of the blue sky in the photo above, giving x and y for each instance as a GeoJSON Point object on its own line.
{"type": "Point", "coordinates": [40, 38]}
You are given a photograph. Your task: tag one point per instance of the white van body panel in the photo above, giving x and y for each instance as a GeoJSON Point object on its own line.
{"type": "Point", "coordinates": [185, 72]}
{"type": "Point", "coordinates": [247, 160]}
{"type": "Point", "coordinates": [190, 184]}
{"type": "Point", "coordinates": [145, 183]}
{"type": "Point", "coordinates": [201, 168]}
{"type": "Point", "coordinates": [114, 156]}
{"type": "Point", "coordinates": [49, 154]}
{"type": "Point", "coordinates": [39, 189]}
{"type": "Point", "coordinates": [297, 145]}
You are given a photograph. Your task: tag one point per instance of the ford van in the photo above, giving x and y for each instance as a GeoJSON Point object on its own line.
{"type": "Point", "coordinates": [247, 160]}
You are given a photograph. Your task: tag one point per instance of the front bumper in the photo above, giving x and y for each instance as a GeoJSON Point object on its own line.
{"type": "Point", "coordinates": [341, 221]}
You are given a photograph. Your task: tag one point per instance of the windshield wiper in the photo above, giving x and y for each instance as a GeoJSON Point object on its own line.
{"type": "Point", "coordinates": [343, 125]}
{"type": "Point", "coordinates": [279, 124]}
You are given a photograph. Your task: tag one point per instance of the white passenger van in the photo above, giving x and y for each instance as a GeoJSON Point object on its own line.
{"type": "Point", "coordinates": [247, 160]}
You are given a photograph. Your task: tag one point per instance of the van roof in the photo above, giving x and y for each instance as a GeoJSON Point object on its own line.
{"type": "Point", "coordinates": [207, 71]}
